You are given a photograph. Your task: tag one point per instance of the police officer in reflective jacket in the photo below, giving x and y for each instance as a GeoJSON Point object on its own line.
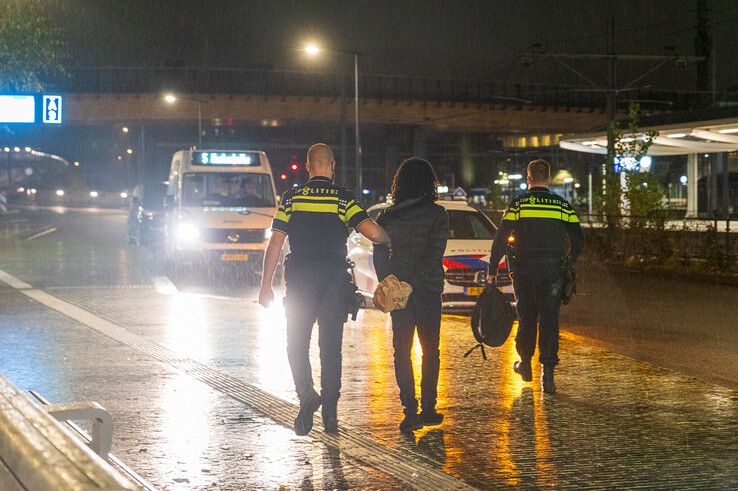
{"type": "Point", "coordinates": [316, 217]}
{"type": "Point", "coordinates": [535, 228]}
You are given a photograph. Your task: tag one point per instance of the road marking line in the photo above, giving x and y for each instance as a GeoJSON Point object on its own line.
{"type": "Point", "coordinates": [13, 282]}
{"type": "Point", "coordinates": [48, 231]}
{"type": "Point", "coordinates": [354, 442]}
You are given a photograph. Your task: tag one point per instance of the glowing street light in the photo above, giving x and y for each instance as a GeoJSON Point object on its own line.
{"type": "Point", "coordinates": [312, 49]}
{"type": "Point", "coordinates": [125, 129]}
{"type": "Point", "coordinates": [170, 99]}
{"type": "Point", "coordinates": [129, 151]}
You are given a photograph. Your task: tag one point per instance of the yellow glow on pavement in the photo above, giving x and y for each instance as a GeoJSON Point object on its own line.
{"type": "Point", "coordinates": [383, 406]}
{"type": "Point", "coordinates": [508, 391]}
{"type": "Point", "coordinates": [545, 459]}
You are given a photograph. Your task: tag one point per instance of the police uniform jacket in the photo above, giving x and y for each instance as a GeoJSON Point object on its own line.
{"type": "Point", "coordinates": [317, 217]}
{"type": "Point", "coordinates": [540, 222]}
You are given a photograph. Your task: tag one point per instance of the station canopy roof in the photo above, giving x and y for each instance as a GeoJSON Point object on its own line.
{"type": "Point", "coordinates": [711, 136]}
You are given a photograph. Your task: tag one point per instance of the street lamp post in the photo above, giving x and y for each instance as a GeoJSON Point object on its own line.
{"type": "Point", "coordinates": [359, 177]}
{"type": "Point", "coordinates": [314, 50]}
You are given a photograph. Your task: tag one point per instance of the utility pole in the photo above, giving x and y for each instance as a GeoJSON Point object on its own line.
{"type": "Point", "coordinates": [703, 46]}
{"type": "Point", "coordinates": [611, 101]}
{"type": "Point", "coordinates": [142, 156]}
{"type": "Point", "coordinates": [344, 154]}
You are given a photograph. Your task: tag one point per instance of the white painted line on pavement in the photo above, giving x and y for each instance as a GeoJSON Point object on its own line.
{"type": "Point", "coordinates": [48, 231]}
{"type": "Point", "coordinates": [13, 282]}
{"type": "Point", "coordinates": [354, 442]}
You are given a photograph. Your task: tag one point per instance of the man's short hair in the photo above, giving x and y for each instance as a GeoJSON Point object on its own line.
{"type": "Point", "coordinates": [319, 153]}
{"type": "Point", "coordinates": [539, 170]}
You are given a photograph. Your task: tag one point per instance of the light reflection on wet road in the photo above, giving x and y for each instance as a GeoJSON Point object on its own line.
{"type": "Point", "coordinates": [614, 423]}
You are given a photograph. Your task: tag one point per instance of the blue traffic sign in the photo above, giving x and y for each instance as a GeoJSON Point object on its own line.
{"type": "Point", "coordinates": [52, 108]}
{"type": "Point", "coordinates": [20, 108]}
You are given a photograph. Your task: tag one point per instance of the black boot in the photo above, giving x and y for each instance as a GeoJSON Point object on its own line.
{"type": "Point", "coordinates": [304, 419]}
{"type": "Point", "coordinates": [547, 379]}
{"type": "Point", "coordinates": [430, 417]}
{"type": "Point", "coordinates": [411, 422]}
{"type": "Point", "coordinates": [330, 418]}
{"type": "Point", "coordinates": [524, 369]}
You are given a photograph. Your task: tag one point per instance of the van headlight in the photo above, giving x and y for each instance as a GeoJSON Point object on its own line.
{"type": "Point", "coordinates": [187, 232]}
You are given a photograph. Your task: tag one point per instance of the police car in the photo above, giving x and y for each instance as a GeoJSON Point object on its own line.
{"type": "Point", "coordinates": [465, 262]}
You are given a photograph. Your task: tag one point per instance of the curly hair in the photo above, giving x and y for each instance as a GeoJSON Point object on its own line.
{"type": "Point", "coordinates": [415, 178]}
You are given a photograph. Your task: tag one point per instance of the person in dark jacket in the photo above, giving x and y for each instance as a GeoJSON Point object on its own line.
{"type": "Point", "coordinates": [419, 231]}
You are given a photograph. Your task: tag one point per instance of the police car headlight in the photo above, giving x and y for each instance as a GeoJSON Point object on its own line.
{"type": "Point", "coordinates": [187, 232]}
{"type": "Point", "coordinates": [267, 233]}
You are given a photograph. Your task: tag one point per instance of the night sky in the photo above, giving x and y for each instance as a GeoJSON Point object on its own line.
{"type": "Point", "coordinates": [476, 40]}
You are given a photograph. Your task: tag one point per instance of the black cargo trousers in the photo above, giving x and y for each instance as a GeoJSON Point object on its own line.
{"type": "Point", "coordinates": [316, 290]}
{"type": "Point", "coordinates": [537, 283]}
{"type": "Point", "coordinates": [423, 311]}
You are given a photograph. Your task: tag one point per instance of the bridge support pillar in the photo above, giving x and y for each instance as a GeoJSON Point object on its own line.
{"type": "Point", "coordinates": [692, 189]}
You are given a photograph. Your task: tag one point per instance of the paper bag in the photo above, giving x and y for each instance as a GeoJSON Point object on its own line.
{"type": "Point", "coordinates": [391, 294]}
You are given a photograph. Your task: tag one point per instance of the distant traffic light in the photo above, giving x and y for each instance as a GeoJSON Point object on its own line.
{"type": "Point", "coordinates": [294, 166]}
{"type": "Point", "coordinates": [283, 177]}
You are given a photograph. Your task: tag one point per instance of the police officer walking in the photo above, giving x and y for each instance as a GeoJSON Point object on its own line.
{"type": "Point", "coordinates": [536, 225]}
{"type": "Point", "coordinates": [316, 217]}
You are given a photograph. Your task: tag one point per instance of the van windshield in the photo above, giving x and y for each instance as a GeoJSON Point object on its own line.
{"type": "Point", "coordinates": [227, 189]}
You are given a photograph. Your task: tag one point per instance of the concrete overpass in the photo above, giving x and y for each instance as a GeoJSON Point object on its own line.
{"type": "Point", "coordinates": [134, 94]}
{"type": "Point", "coordinates": [280, 110]}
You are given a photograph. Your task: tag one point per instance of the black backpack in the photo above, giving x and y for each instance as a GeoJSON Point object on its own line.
{"type": "Point", "coordinates": [491, 320]}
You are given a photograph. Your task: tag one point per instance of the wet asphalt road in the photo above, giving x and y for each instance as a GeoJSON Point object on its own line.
{"type": "Point", "coordinates": [194, 417]}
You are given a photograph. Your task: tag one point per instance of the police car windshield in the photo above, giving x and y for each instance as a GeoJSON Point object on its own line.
{"type": "Point", "coordinates": [469, 225]}
{"type": "Point", "coordinates": [227, 189]}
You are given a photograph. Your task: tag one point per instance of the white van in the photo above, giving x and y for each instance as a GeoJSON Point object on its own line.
{"type": "Point", "coordinates": [219, 208]}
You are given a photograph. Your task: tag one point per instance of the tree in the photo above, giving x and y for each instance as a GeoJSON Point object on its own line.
{"type": "Point", "coordinates": [625, 149]}
{"type": "Point", "coordinates": [495, 200]}
{"type": "Point", "coordinates": [30, 46]}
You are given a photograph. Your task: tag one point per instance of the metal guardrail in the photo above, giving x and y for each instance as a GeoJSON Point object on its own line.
{"type": "Point", "coordinates": [712, 240]}
{"type": "Point", "coordinates": [136, 79]}
{"type": "Point", "coordinates": [38, 453]}
{"type": "Point", "coordinates": [99, 442]}
{"type": "Point", "coordinates": [688, 224]}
